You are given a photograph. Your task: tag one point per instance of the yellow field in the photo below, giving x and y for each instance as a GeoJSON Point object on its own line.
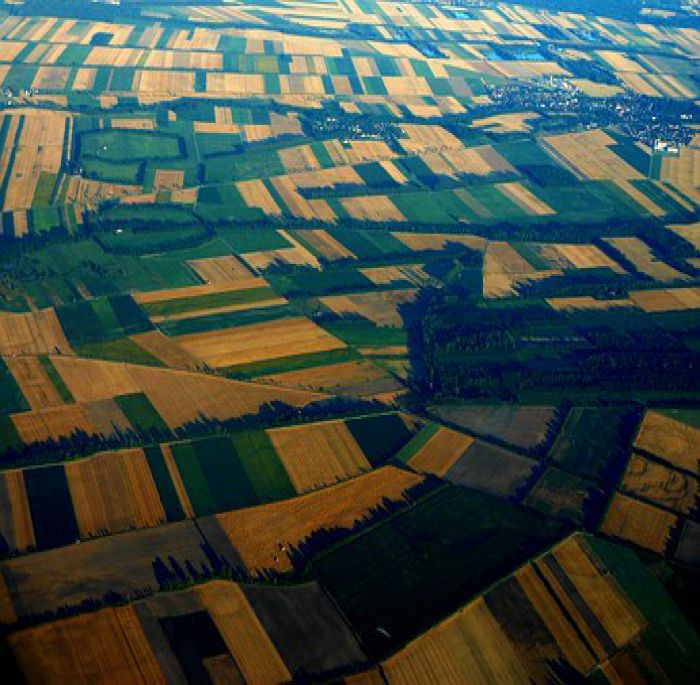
{"type": "Point", "coordinates": [504, 268]}
{"type": "Point", "coordinates": [241, 630]}
{"type": "Point", "coordinates": [667, 300]}
{"type": "Point", "coordinates": [438, 241]}
{"type": "Point", "coordinates": [176, 478]}
{"type": "Point", "coordinates": [619, 617]}
{"type": "Point", "coordinates": [52, 423]}
{"type": "Point", "coordinates": [683, 171]}
{"type": "Point", "coordinates": [326, 245]}
{"type": "Point", "coordinates": [178, 396]}
{"type": "Point", "coordinates": [39, 151]}
{"type": "Point", "coordinates": [568, 640]}
{"type": "Point", "coordinates": [301, 158]}
{"type": "Point", "coordinates": [640, 254]}
{"type": "Point", "coordinates": [168, 179]}
{"type": "Point", "coordinates": [106, 646]}
{"type": "Point", "coordinates": [385, 275]}
{"type": "Point", "coordinates": [382, 307]}
{"type": "Point", "coordinates": [257, 533]}
{"type": "Point", "coordinates": [468, 647]}
{"type": "Point", "coordinates": [372, 208]}
{"type": "Point", "coordinates": [319, 454]}
{"type": "Point", "coordinates": [422, 138]}
{"type": "Point", "coordinates": [113, 492]}
{"type": "Point", "coordinates": [660, 484]}
{"type": "Point", "coordinates": [256, 194]}
{"type": "Point", "coordinates": [589, 154]}
{"type": "Point", "coordinates": [34, 382]}
{"type": "Point", "coordinates": [258, 342]}
{"type": "Point", "coordinates": [329, 378]}
{"type": "Point", "coordinates": [16, 525]}
{"type": "Point", "coordinates": [210, 288]}
{"type": "Point", "coordinates": [525, 199]}
{"type": "Point", "coordinates": [676, 442]}
{"type": "Point", "coordinates": [586, 257]}
{"type": "Point", "coordinates": [440, 452]}
{"type": "Point", "coordinates": [166, 350]}
{"type": "Point", "coordinates": [586, 302]}
{"type": "Point", "coordinates": [220, 270]}
{"type": "Point", "coordinates": [640, 523]}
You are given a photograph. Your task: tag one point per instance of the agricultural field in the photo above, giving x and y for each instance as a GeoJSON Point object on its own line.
{"type": "Point", "coordinates": [349, 342]}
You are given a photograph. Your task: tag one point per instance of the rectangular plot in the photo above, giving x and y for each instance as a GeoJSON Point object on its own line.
{"type": "Point", "coordinates": [113, 492]}
{"type": "Point", "coordinates": [50, 502]}
{"type": "Point", "coordinates": [319, 454]}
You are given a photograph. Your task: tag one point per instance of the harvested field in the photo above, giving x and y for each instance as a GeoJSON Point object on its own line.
{"type": "Point", "coordinates": [568, 639]}
{"type": "Point", "coordinates": [667, 300]}
{"type": "Point", "coordinates": [244, 635]}
{"type": "Point", "coordinates": [675, 442]}
{"type": "Point", "coordinates": [638, 522]}
{"type": "Point", "coordinates": [32, 333]}
{"type": "Point", "coordinates": [296, 159]}
{"type": "Point", "coordinates": [168, 179]}
{"type": "Point", "coordinates": [47, 581]}
{"type": "Point", "coordinates": [386, 275]}
{"type": "Point", "coordinates": [165, 349]}
{"type": "Point", "coordinates": [114, 492]}
{"type": "Point", "coordinates": [39, 150]}
{"type": "Point", "coordinates": [525, 199]}
{"type": "Point", "coordinates": [467, 647]}
{"type": "Point", "coordinates": [586, 257]}
{"type": "Point", "coordinates": [503, 269]}
{"type": "Point", "coordinates": [506, 123]}
{"type": "Point", "coordinates": [344, 378]}
{"type": "Point", "coordinates": [34, 382]}
{"type": "Point", "coordinates": [382, 308]}
{"type": "Point", "coordinates": [256, 194]}
{"type": "Point", "coordinates": [586, 302]}
{"type": "Point", "coordinates": [52, 423]}
{"type": "Point", "coordinates": [438, 241]}
{"type": "Point", "coordinates": [491, 469]}
{"type": "Point", "coordinates": [320, 454]}
{"type": "Point", "coordinates": [422, 138]}
{"type": "Point", "coordinates": [619, 619]}
{"type": "Point", "coordinates": [258, 342]}
{"type": "Point", "coordinates": [297, 255]}
{"type": "Point", "coordinates": [325, 245]}
{"type": "Point", "coordinates": [590, 153]}
{"type": "Point", "coordinates": [666, 487]}
{"type": "Point", "coordinates": [221, 270]}
{"type": "Point", "coordinates": [107, 646]}
{"type": "Point", "coordinates": [264, 537]}
{"type": "Point", "coordinates": [523, 426]}
{"type": "Point", "coordinates": [372, 208]}
{"type": "Point", "coordinates": [194, 291]}
{"type": "Point", "coordinates": [440, 452]}
{"type": "Point", "coordinates": [178, 396]}
{"type": "Point", "coordinates": [16, 526]}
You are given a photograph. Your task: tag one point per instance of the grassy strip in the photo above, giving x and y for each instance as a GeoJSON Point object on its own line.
{"type": "Point", "coordinates": [215, 322]}
{"type": "Point", "coordinates": [119, 350]}
{"type": "Point", "coordinates": [405, 454]}
{"type": "Point", "coordinates": [190, 304]}
{"type": "Point", "coordinates": [56, 379]}
{"type": "Point", "coordinates": [300, 361]}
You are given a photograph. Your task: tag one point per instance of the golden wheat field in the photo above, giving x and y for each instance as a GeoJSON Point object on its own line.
{"type": "Point", "coordinates": [440, 452]}
{"type": "Point", "coordinates": [264, 536]}
{"type": "Point", "coordinates": [674, 441]}
{"type": "Point", "coordinates": [666, 487]}
{"type": "Point", "coordinates": [319, 454]}
{"type": "Point", "coordinates": [635, 521]}
{"type": "Point", "coordinates": [109, 645]}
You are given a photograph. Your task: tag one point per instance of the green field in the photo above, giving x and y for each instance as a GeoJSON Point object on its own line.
{"type": "Point", "coordinates": [412, 570]}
